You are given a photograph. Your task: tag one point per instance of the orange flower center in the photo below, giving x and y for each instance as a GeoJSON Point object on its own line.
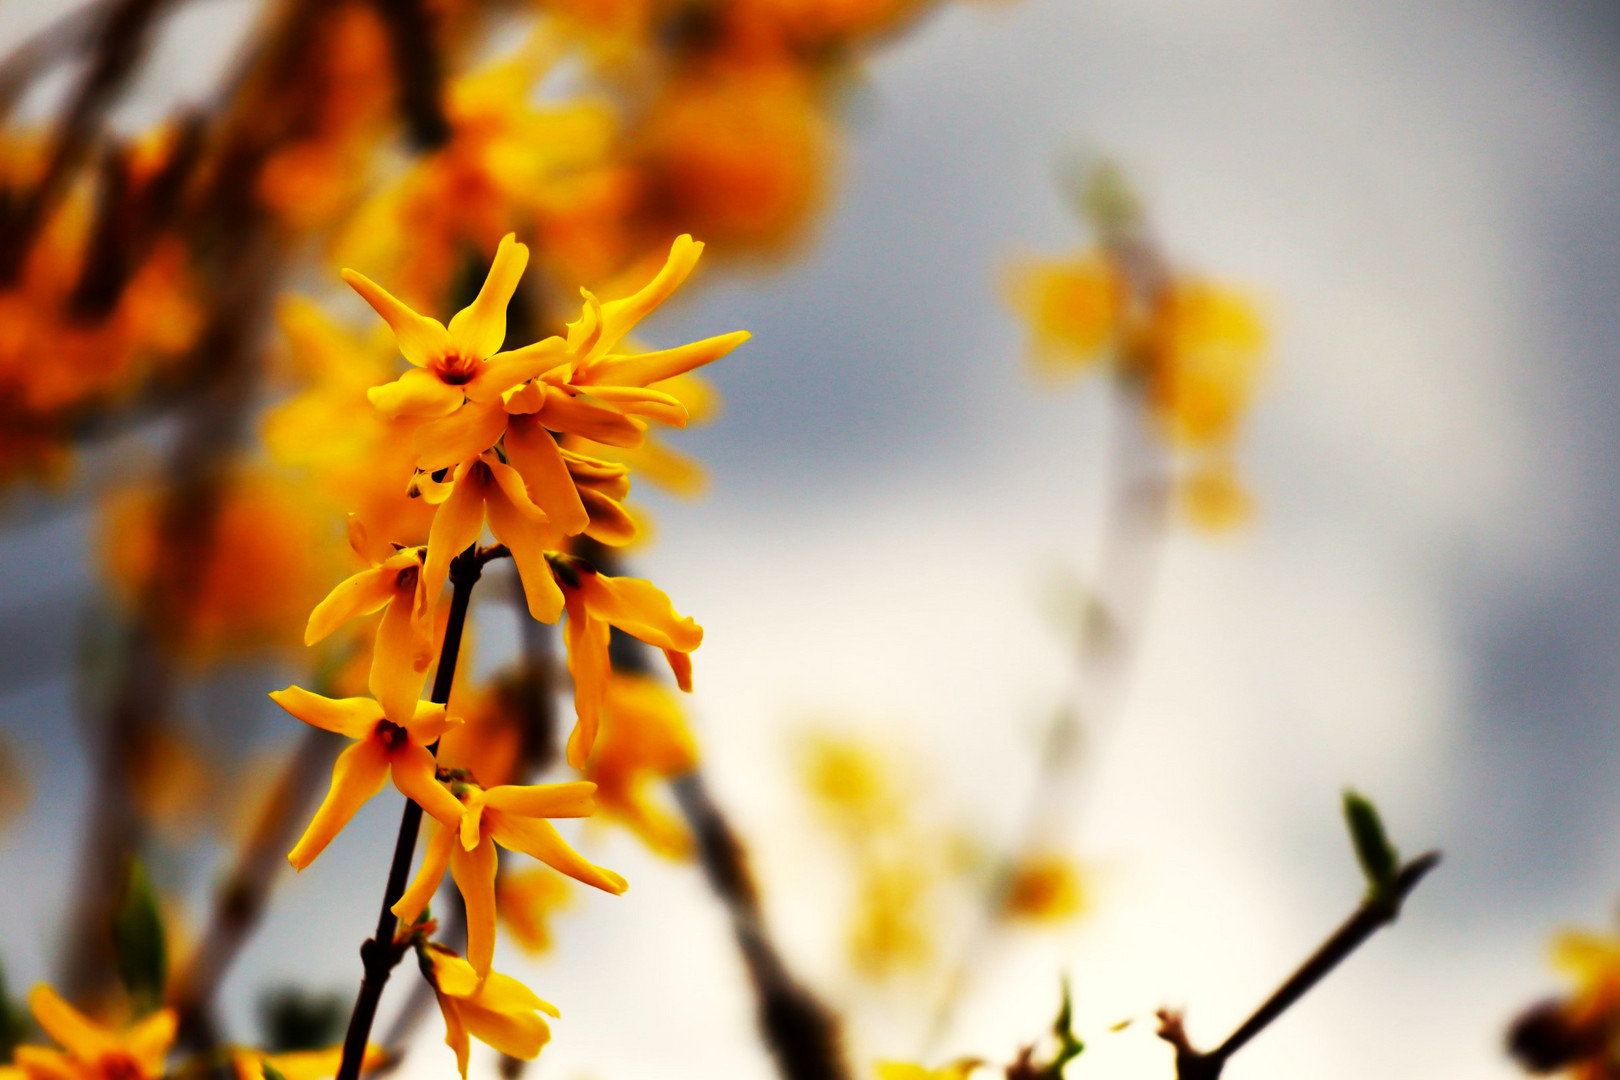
{"type": "Point", "coordinates": [119, 1065]}
{"type": "Point", "coordinates": [455, 369]}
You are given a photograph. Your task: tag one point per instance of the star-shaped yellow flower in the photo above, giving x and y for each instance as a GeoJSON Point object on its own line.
{"type": "Point", "coordinates": [89, 1050]}
{"type": "Point", "coordinates": [382, 749]}
{"type": "Point", "coordinates": [495, 1009]}
{"type": "Point", "coordinates": [516, 818]}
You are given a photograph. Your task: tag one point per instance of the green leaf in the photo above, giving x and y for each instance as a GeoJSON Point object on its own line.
{"type": "Point", "coordinates": [138, 941]}
{"type": "Point", "coordinates": [13, 1022]}
{"type": "Point", "coordinates": [1374, 852]}
{"type": "Point", "coordinates": [273, 1073]}
{"type": "Point", "coordinates": [295, 1019]}
{"type": "Point", "coordinates": [1069, 1047]}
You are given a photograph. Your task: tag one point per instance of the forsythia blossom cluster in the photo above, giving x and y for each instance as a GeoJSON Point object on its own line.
{"type": "Point", "coordinates": [487, 453]}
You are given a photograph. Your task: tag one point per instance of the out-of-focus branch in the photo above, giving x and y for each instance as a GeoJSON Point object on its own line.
{"type": "Point", "coordinates": [803, 1035]}
{"type": "Point", "coordinates": [1377, 911]}
{"type": "Point", "coordinates": [68, 33]}
{"type": "Point", "coordinates": [419, 71]}
{"type": "Point", "coordinates": [240, 900]}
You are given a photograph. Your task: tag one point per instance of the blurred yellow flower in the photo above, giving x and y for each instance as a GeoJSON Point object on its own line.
{"type": "Point", "coordinates": [644, 739]}
{"type": "Point", "coordinates": [301, 1064]}
{"type": "Point", "coordinates": [91, 1051]}
{"type": "Point", "coordinates": [526, 901]}
{"type": "Point", "coordinates": [1044, 888]}
{"type": "Point", "coordinates": [1072, 308]}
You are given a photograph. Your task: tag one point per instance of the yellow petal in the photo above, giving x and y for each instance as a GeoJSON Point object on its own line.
{"type": "Point", "coordinates": [576, 799]}
{"type": "Point", "coordinates": [44, 1063]}
{"type": "Point", "coordinates": [429, 723]}
{"type": "Point", "coordinates": [534, 453]}
{"type": "Point", "coordinates": [680, 665]}
{"type": "Point", "coordinates": [400, 659]}
{"type": "Point", "coordinates": [455, 1032]}
{"type": "Point", "coordinates": [644, 369]}
{"type": "Point", "coordinates": [610, 524]}
{"type": "Point", "coordinates": [452, 974]}
{"type": "Point", "coordinates": [421, 339]}
{"type": "Point", "coordinates": [79, 1035]}
{"type": "Point", "coordinates": [640, 608]}
{"type": "Point", "coordinates": [640, 401]}
{"type": "Point", "coordinates": [527, 538]}
{"type": "Point", "coordinates": [589, 420]}
{"type": "Point", "coordinates": [358, 774]}
{"type": "Point", "coordinates": [521, 1035]}
{"type": "Point", "coordinates": [149, 1040]}
{"type": "Point", "coordinates": [459, 437]}
{"type": "Point", "coordinates": [471, 818]}
{"type": "Point", "coordinates": [354, 717]}
{"type": "Point", "coordinates": [619, 317]}
{"type": "Point", "coordinates": [360, 594]}
{"type": "Point", "coordinates": [474, 872]}
{"type": "Point", "coordinates": [477, 330]}
{"type": "Point", "coordinates": [539, 839]}
{"type": "Point", "coordinates": [587, 643]}
{"type": "Point", "coordinates": [505, 370]}
{"type": "Point", "coordinates": [435, 860]}
{"type": "Point", "coordinates": [504, 994]}
{"type": "Point", "coordinates": [456, 526]}
{"type": "Point", "coordinates": [418, 392]}
{"type": "Point", "coordinates": [413, 769]}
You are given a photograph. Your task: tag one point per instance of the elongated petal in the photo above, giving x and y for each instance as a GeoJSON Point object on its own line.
{"type": "Point", "coordinates": [399, 661]}
{"type": "Point", "coordinates": [504, 994]}
{"type": "Point", "coordinates": [680, 664]}
{"type": "Point", "coordinates": [639, 401]}
{"type": "Point", "coordinates": [587, 644]}
{"type": "Point", "coordinates": [428, 725]}
{"type": "Point", "coordinates": [644, 369]}
{"type": "Point", "coordinates": [422, 339]}
{"type": "Point", "coordinates": [527, 537]}
{"type": "Point", "coordinates": [640, 608]}
{"type": "Point", "coordinates": [418, 392]}
{"type": "Point", "coordinates": [353, 717]}
{"type": "Point", "coordinates": [79, 1035]}
{"type": "Point", "coordinates": [474, 872]}
{"type": "Point", "coordinates": [478, 329]}
{"type": "Point", "coordinates": [458, 524]}
{"type": "Point", "coordinates": [455, 1032]}
{"type": "Point", "coordinates": [539, 839]}
{"type": "Point", "coordinates": [413, 769]}
{"type": "Point", "coordinates": [576, 799]}
{"type": "Point", "coordinates": [42, 1063]}
{"type": "Point", "coordinates": [535, 454]}
{"type": "Point", "coordinates": [518, 1035]}
{"type": "Point", "coordinates": [358, 774]}
{"type": "Point", "coordinates": [453, 975]}
{"type": "Point", "coordinates": [459, 437]}
{"type": "Point", "coordinates": [149, 1040]}
{"type": "Point", "coordinates": [619, 317]}
{"type": "Point", "coordinates": [589, 420]}
{"type": "Point", "coordinates": [594, 470]}
{"type": "Point", "coordinates": [609, 522]}
{"type": "Point", "coordinates": [435, 861]}
{"type": "Point", "coordinates": [360, 594]}
{"type": "Point", "coordinates": [507, 369]}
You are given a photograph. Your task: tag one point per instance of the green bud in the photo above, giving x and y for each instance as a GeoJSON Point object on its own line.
{"type": "Point", "coordinates": [138, 941]}
{"type": "Point", "coordinates": [1374, 852]}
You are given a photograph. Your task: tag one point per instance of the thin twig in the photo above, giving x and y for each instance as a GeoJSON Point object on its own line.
{"type": "Point", "coordinates": [1374, 913]}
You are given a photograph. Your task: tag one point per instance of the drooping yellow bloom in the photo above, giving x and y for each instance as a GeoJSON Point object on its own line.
{"type": "Point", "coordinates": [302, 1064]}
{"type": "Point", "coordinates": [91, 1051]}
{"type": "Point", "coordinates": [644, 739]}
{"type": "Point", "coordinates": [516, 818]}
{"type": "Point", "coordinates": [404, 648]}
{"type": "Point", "coordinates": [596, 603]}
{"type": "Point", "coordinates": [1072, 308]}
{"type": "Point", "coordinates": [382, 749]}
{"type": "Point", "coordinates": [495, 1009]}
{"type": "Point", "coordinates": [1206, 342]}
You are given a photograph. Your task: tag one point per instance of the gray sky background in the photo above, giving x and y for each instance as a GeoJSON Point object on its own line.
{"type": "Point", "coordinates": [1425, 198]}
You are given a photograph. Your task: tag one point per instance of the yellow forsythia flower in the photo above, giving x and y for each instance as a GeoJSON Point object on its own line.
{"type": "Point", "coordinates": [516, 818]}
{"type": "Point", "coordinates": [495, 1009]}
{"type": "Point", "coordinates": [526, 900]}
{"type": "Point", "coordinates": [91, 1051]}
{"type": "Point", "coordinates": [1045, 887]}
{"type": "Point", "coordinates": [644, 739]}
{"type": "Point", "coordinates": [383, 747]}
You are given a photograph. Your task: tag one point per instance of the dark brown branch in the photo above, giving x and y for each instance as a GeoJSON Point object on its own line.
{"type": "Point", "coordinates": [803, 1035]}
{"type": "Point", "coordinates": [379, 953]}
{"type": "Point", "coordinates": [418, 71]}
{"type": "Point", "coordinates": [1375, 912]}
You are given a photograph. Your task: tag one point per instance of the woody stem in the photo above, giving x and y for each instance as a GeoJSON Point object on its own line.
{"type": "Point", "coordinates": [379, 954]}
